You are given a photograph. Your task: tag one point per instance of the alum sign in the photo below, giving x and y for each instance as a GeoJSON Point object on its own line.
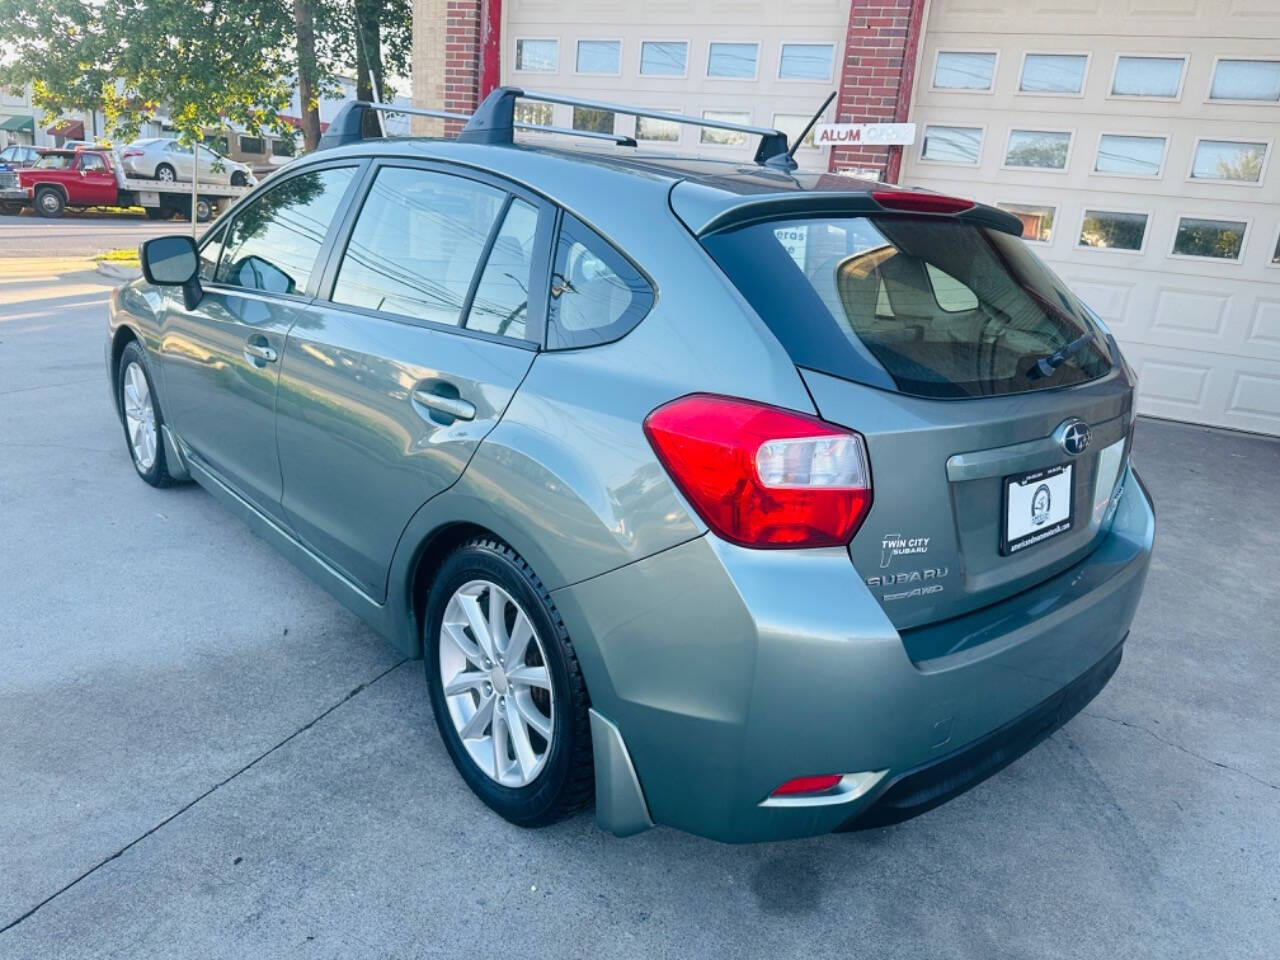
{"type": "Point", "coordinates": [871, 134]}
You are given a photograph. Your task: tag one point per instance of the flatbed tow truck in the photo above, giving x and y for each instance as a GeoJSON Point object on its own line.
{"type": "Point", "coordinates": [87, 177]}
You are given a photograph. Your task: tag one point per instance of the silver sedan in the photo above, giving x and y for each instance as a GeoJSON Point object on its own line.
{"type": "Point", "coordinates": [164, 158]}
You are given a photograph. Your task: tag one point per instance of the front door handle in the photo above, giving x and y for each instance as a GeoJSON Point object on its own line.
{"type": "Point", "coordinates": [454, 407]}
{"type": "Point", "coordinates": [260, 351]}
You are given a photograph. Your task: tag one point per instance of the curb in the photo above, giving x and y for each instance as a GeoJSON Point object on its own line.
{"type": "Point", "coordinates": [117, 271]}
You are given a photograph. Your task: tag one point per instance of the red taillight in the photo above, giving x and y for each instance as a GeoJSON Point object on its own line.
{"type": "Point", "coordinates": [915, 202]}
{"type": "Point", "coordinates": [761, 476]}
{"type": "Point", "coordinates": [130, 153]}
{"type": "Point", "coordinates": [807, 785]}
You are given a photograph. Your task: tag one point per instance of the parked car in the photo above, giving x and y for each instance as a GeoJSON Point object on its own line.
{"type": "Point", "coordinates": [755, 503]}
{"type": "Point", "coordinates": [19, 155]}
{"type": "Point", "coordinates": [165, 159]}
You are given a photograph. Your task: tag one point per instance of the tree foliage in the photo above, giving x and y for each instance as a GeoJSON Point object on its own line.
{"type": "Point", "coordinates": [204, 63]}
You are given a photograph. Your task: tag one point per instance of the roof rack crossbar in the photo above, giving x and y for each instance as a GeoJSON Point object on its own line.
{"type": "Point", "coordinates": [348, 125]}
{"type": "Point", "coordinates": [616, 138]}
{"type": "Point", "coordinates": [494, 121]}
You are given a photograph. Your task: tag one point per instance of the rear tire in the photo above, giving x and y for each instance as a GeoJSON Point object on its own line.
{"type": "Point", "coordinates": [49, 202]}
{"type": "Point", "coordinates": [154, 213]}
{"type": "Point", "coordinates": [10, 209]}
{"type": "Point", "coordinates": [140, 416]}
{"type": "Point", "coordinates": [539, 779]}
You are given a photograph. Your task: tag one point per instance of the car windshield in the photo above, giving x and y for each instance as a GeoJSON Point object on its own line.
{"type": "Point", "coordinates": [947, 308]}
{"type": "Point", "coordinates": [55, 161]}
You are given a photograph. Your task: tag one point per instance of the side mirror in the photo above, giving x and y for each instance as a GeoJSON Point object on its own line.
{"type": "Point", "coordinates": [172, 262]}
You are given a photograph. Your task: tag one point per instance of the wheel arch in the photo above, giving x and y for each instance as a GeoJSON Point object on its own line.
{"type": "Point", "coordinates": [51, 185]}
{"type": "Point", "coordinates": [123, 336]}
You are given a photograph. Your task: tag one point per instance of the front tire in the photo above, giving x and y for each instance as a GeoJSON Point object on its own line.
{"type": "Point", "coordinates": [506, 689]}
{"type": "Point", "coordinates": [165, 173]}
{"type": "Point", "coordinates": [238, 179]}
{"type": "Point", "coordinates": [141, 417]}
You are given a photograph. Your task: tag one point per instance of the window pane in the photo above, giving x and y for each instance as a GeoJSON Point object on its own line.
{"type": "Point", "coordinates": [599, 56]}
{"type": "Point", "coordinates": [273, 242]}
{"type": "Point", "coordinates": [283, 147]}
{"type": "Point", "coordinates": [727, 138]}
{"type": "Point", "coordinates": [541, 56]}
{"type": "Point", "coordinates": [1218, 239]}
{"type": "Point", "coordinates": [950, 309]}
{"type": "Point", "coordinates": [1053, 73]}
{"type": "Point", "coordinates": [589, 118]}
{"type": "Point", "coordinates": [663, 59]}
{"type": "Point", "coordinates": [1226, 160]}
{"type": "Point", "coordinates": [791, 124]}
{"type": "Point", "coordinates": [1246, 80]}
{"type": "Point", "coordinates": [952, 144]}
{"type": "Point", "coordinates": [1147, 76]}
{"type": "Point", "coordinates": [251, 145]}
{"type": "Point", "coordinates": [1138, 156]}
{"type": "Point", "coordinates": [806, 61]}
{"type": "Point", "coordinates": [964, 71]}
{"type": "Point", "coordinates": [732, 60]}
{"type": "Point", "coordinates": [501, 303]}
{"type": "Point", "coordinates": [209, 253]}
{"type": "Point", "coordinates": [1038, 148]}
{"type": "Point", "coordinates": [665, 131]}
{"type": "Point", "coordinates": [596, 295]}
{"type": "Point", "coordinates": [1037, 221]}
{"type": "Point", "coordinates": [416, 244]}
{"type": "Point", "coordinates": [1113, 231]}
{"type": "Point", "coordinates": [538, 114]}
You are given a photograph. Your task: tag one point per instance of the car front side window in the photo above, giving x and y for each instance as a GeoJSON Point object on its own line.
{"type": "Point", "coordinates": [273, 242]}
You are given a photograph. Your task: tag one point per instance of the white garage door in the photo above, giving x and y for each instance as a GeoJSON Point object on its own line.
{"type": "Point", "coordinates": [1136, 140]}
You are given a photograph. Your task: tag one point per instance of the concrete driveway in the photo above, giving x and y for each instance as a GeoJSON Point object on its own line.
{"type": "Point", "coordinates": [205, 756]}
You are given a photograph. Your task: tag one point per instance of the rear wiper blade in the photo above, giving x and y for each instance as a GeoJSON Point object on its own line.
{"type": "Point", "coordinates": [1046, 365]}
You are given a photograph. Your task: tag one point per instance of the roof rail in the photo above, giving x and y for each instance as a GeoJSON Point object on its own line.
{"type": "Point", "coordinates": [494, 122]}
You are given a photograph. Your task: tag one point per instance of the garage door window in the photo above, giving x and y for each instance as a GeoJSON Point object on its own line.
{"type": "Point", "coordinates": [954, 70]}
{"type": "Point", "coordinates": [1054, 73]}
{"type": "Point", "coordinates": [1040, 149]}
{"type": "Point", "coordinates": [663, 58]}
{"type": "Point", "coordinates": [1210, 239]}
{"type": "Point", "coordinates": [1113, 230]}
{"type": "Point", "coordinates": [537, 55]}
{"type": "Point", "coordinates": [951, 144]}
{"type": "Point", "coordinates": [1237, 161]}
{"type": "Point", "coordinates": [1256, 80]}
{"type": "Point", "coordinates": [1037, 221]}
{"type": "Point", "coordinates": [724, 138]}
{"type": "Point", "coordinates": [1129, 156]}
{"type": "Point", "coordinates": [1148, 77]}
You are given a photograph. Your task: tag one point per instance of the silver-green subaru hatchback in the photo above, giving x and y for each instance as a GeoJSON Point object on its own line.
{"type": "Point", "coordinates": [755, 503]}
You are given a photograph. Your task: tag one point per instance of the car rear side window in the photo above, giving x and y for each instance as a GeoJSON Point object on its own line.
{"type": "Point", "coordinates": [948, 309]}
{"type": "Point", "coordinates": [416, 244]}
{"type": "Point", "coordinates": [500, 304]}
{"type": "Point", "coordinates": [596, 294]}
{"type": "Point", "coordinates": [272, 243]}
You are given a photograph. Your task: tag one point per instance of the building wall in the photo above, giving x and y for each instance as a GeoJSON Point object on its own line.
{"type": "Point", "coordinates": [1203, 334]}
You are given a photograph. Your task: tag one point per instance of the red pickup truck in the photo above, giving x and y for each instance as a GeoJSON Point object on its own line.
{"type": "Point", "coordinates": [94, 178]}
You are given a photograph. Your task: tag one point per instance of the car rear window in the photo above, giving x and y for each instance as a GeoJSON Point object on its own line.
{"type": "Point", "coordinates": [946, 308]}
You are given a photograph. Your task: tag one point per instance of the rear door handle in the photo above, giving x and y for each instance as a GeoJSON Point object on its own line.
{"type": "Point", "coordinates": [260, 351]}
{"type": "Point", "coordinates": [454, 407]}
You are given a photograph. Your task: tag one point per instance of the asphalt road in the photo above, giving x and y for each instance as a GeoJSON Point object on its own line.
{"type": "Point", "coordinates": [205, 756]}
{"type": "Point", "coordinates": [79, 234]}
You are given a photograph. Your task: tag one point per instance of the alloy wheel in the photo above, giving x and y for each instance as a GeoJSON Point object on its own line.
{"type": "Point", "coordinates": [493, 671]}
{"type": "Point", "coordinates": [140, 416]}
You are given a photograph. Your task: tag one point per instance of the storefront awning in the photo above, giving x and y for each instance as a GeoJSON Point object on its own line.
{"type": "Point", "coordinates": [18, 123]}
{"type": "Point", "coordinates": [71, 130]}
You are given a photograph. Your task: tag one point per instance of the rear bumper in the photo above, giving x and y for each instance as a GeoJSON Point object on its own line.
{"type": "Point", "coordinates": [728, 671]}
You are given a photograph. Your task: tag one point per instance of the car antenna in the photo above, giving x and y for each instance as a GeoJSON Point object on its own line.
{"type": "Point", "coordinates": [791, 154]}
